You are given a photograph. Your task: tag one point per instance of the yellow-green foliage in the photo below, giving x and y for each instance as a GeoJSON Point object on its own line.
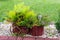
{"type": "Point", "coordinates": [11, 14]}
{"type": "Point", "coordinates": [22, 15]}
{"type": "Point", "coordinates": [21, 8]}
{"type": "Point", "coordinates": [30, 14]}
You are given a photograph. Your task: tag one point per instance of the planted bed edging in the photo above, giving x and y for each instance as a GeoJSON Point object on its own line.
{"type": "Point", "coordinates": [25, 38]}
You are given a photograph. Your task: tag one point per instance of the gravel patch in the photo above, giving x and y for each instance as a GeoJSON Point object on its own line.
{"type": "Point", "coordinates": [49, 31]}
{"type": "Point", "coordinates": [5, 29]}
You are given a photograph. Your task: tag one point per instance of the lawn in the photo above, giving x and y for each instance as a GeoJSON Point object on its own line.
{"type": "Point", "coordinates": [44, 7]}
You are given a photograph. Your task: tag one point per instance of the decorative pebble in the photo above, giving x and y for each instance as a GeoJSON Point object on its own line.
{"type": "Point", "coordinates": [49, 31]}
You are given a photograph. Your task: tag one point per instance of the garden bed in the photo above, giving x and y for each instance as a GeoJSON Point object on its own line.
{"type": "Point", "coordinates": [48, 31]}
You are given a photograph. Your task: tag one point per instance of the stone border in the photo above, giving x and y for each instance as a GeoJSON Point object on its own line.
{"type": "Point", "coordinates": [25, 38]}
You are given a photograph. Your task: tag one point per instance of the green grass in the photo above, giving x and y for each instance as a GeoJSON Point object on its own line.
{"type": "Point", "coordinates": [43, 7]}
{"type": "Point", "coordinates": [5, 6]}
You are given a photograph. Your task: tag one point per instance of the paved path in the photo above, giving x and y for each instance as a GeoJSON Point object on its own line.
{"type": "Point", "coordinates": [25, 38]}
